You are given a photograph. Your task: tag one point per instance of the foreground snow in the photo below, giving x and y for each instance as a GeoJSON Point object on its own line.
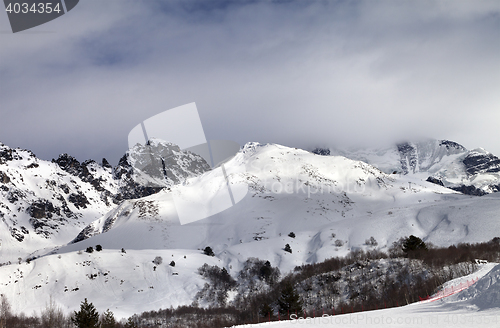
{"type": "Point", "coordinates": [125, 283]}
{"type": "Point", "coordinates": [411, 316]}
{"type": "Point", "coordinates": [476, 306]}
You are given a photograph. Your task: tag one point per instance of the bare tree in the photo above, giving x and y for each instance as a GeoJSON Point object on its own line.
{"type": "Point", "coordinates": [53, 316]}
{"type": "Point", "coordinates": [5, 311]}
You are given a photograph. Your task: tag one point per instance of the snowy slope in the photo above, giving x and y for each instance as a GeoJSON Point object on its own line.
{"type": "Point", "coordinates": [475, 172]}
{"type": "Point", "coordinates": [44, 204]}
{"type": "Point", "coordinates": [483, 295]}
{"type": "Point", "coordinates": [289, 190]}
{"type": "Point", "coordinates": [126, 283]}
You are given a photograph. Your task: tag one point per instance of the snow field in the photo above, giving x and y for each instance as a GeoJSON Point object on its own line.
{"type": "Point", "coordinates": [125, 283]}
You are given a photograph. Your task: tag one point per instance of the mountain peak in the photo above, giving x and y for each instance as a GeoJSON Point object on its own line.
{"type": "Point", "coordinates": [42, 201]}
{"type": "Point", "coordinates": [321, 151]}
{"type": "Point", "coordinates": [160, 163]}
{"type": "Point", "coordinates": [475, 172]}
{"type": "Point", "coordinates": [452, 145]}
{"type": "Point", "coordinates": [156, 142]}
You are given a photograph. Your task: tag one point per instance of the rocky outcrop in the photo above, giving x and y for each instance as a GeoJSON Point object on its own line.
{"type": "Point", "coordinates": [408, 157]}
{"type": "Point", "coordinates": [435, 181]}
{"type": "Point", "coordinates": [42, 208]}
{"type": "Point", "coordinates": [421, 156]}
{"type": "Point", "coordinates": [480, 161]}
{"type": "Point", "coordinates": [4, 178]}
{"type": "Point", "coordinates": [5, 154]}
{"type": "Point", "coordinates": [321, 151]}
{"type": "Point", "coordinates": [87, 232]}
{"type": "Point", "coordinates": [452, 146]}
{"type": "Point", "coordinates": [469, 190]}
{"type": "Point", "coordinates": [78, 200]}
{"type": "Point", "coordinates": [106, 164]}
{"type": "Point", "coordinates": [129, 188]}
{"type": "Point", "coordinates": [73, 167]}
{"type": "Point", "coordinates": [41, 196]}
{"type": "Point", "coordinates": [161, 164]}
{"type": "Point", "coordinates": [45, 217]}
{"type": "Point", "coordinates": [145, 170]}
{"type": "Point", "coordinates": [18, 234]}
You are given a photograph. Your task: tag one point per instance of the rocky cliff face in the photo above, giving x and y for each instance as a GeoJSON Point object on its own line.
{"type": "Point", "coordinates": [38, 198]}
{"type": "Point", "coordinates": [480, 161]}
{"type": "Point", "coordinates": [422, 156]}
{"type": "Point", "coordinates": [447, 163]}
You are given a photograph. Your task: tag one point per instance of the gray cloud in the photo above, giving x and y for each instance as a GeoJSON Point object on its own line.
{"type": "Point", "coordinates": [300, 73]}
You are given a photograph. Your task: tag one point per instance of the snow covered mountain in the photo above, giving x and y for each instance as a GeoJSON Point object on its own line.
{"type": "Point", "coordinates": [473, 172]}
{"type": "Point", "coordinates": [44, 204]}
{"type": "Point", "coordinates": [332, 205]}
{"type": "Point", "coordinates": [294, 190]}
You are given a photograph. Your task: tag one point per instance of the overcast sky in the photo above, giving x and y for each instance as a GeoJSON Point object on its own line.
{"type": "Point", "coordinates": [300, 73]}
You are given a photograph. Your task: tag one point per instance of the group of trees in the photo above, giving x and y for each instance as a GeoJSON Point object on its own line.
{"type": "Point", "coordinates": [289, 302]}
{"type": "Point", "coordinates": [90, 249]}
{"type": "Point", "coordinates": [358, 281]}
{"type": "Point", "coordinates": [54, 317]}
{"type": "Point", "coordinates": [88, 317]}
{"type": "Point", "coordinates": [220, 283]}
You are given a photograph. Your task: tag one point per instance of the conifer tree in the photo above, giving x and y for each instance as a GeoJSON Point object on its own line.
{"type": "Point", "coordinates": [289, 301]}
{"type": "Point", "coordinates": [413, 243]}
{"type": "Point", "coordinates": [131, 323]}
{"type": "Point", "coordinates": [288, 248]}
{"type": "Point", "coordinates": [108, 320]}
{"type": "Point", "coordinates": [87, 317]}
{"type": "Point", "coordinates": [266, 310]}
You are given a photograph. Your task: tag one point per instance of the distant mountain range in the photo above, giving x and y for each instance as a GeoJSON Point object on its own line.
{"type": "Point", "coordinates": [333, 203]}
{"type": "Point", "coordinates": [447, 163]}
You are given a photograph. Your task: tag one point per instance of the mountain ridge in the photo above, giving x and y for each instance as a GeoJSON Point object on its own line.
{"type": "Point", "coordinates": [45, 203]}
{"type": "Point", "coordinates": [473, 172]}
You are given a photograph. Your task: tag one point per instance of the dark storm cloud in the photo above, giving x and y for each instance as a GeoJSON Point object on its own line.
{"type": "Point", "coordinates": [301, 73]}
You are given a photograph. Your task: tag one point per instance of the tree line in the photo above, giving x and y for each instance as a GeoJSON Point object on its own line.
{"type": "Point", "coordinates": [360, 281]}
{"type": "Point", "coordinates": [53, 316]}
